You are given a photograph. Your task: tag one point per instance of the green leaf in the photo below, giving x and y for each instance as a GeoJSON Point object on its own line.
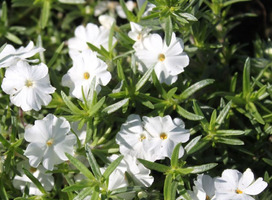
{"type": "Point", "coordinates": [198, 111]}
{"type": "Point", "coordinates": [222, 115]}
{"type": "Point", "coordinates": [230, 141]}
{"type": "Point", "coordinates": [168, 30]}
{"type": "Point", "coordinates": [110, 37]}
{"type": "Point", "coordinates": [45, 13]}
{"type": "Point", "coordinates": [3, 192]}
{"type": "Point", "coordinates": [230, 2]}
{"type": "Point", "coordinates": [197, 146]}
{"type": "Point", "coordinates": [56, 55]}
{"type": "Point", "coordinates": [233, 82]}
{"type": "Point", "coordinates": [97, 106]}
{"type": "Point", "coordinates": [72, 1]}
{"type": "Point", "coordinates": [229, 132]}
{"type": "Point", "coordinates": [246, 78]}
{"type": "Point", "coordinates": [154, 166]}
{"type": "Point", "coordinates": [188, 115]}
{"type": "Point", "coordinates": [95, 194]}
{"type": "Point", "coordinates": [175, 156]}
{"type": "Point", "coordinates": [83, 194]}
{"type": "Point", "coordinates": [35, 181]}
{"type": "Point", "coordinates": [202, 168]}
{"type": "Point", "coordinates": [92, 161]}
{"type": "Point", "coordinates": [144, 78]}
{"type": "Point", "coordinates": [158, 85]}
{"type": "Point", "coordinates": [268, 161]}
{"type": "Point", "coordinates": [188, 16]}
{"type": "Point", "coordinates": [195, 87]}
{"type": "Point", "coordinates": [4, 14]}
{"type": "Point", "coordinates": [13, 38]}
{"type": "Point", "coordinates": [112, 167]}
{"type": "Point", "coordinates": [112, 108]}
{"type": "Point", "coordinates": [130, 16]}
{"type": "Point", "coordinates": [78, 186]}
{"type": "Point", "coordinates": [191, 144]}
{"type": "Point", "coordinates": [127, 189]}
{"type": "Point", "coordinates": [81, 167]}
{"type": "Point", "coordinates": [141, 11]}
{"type": "Point", "coordinates": [213, 120]}
{"type": "Point", "coordinates": [70, 104]}
{"type": "Point", "coordinates": [167, 189]}
{"type": "Point", "coordinates": [254, 112]}
{"type": "Point", "coordinates": [171, 92]}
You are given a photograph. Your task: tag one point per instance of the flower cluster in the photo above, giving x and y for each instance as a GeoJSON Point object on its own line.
{"type": "Point", "coordinates": [28, 85]}
{"type": "Point", "coordinates": [152, 138]}
{"type": "Point", "coordinates": [231, 185]}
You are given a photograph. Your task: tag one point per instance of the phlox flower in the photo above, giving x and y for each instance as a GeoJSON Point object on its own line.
{"type": "Point", "coordinates": [138, 34]}
{"type": "Point", "coordinates": [131, 138]}
{"type": "Point", "coordinates": [92, 34]}
{"type": "Point", "coordinates": [233, 185]}
{"type": "Point", "coordinates": [28, 86]}
{"type": "Point", "coordinates": [203, 189]}
{"type": "Point", "coordinates": [168, 61]}
{"type": "Point", "coordinates": [20, 182]}
{"type": "Point", "coordinates": [50, 139]}
{"type": "Point", "coordinates": [106, 21]}
{"type": "Point", "coordinates": [10, 56]}
{"type": "Point", "coordinates": [165, 135]}
{"type": "Point", "coordinates": [86, 67]}
{"type": "Point", "coordinates": [138, 172]}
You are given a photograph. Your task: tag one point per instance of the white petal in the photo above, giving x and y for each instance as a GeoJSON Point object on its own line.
{"type": "Point", "coordinates": [256, 188]}
{"type": "Point", "coordinates": [246, 179]}
{"type": "Point", "coordinates": [34, 152]}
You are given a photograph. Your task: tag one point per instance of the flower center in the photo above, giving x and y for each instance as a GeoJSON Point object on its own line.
{"type": "Point", "coordinates": [161, 57]}
{"type": "Point", "coordinates": [163, 136]}
{"type": "Point", "coordinates": [32, 169]}
{"type": "Point", "coordinates": [207, 197]}
{"type": "Point", "coordinates": [28, 83]}
{"type": "Point", "coordinates": [49, 142]}
{"type": "Point", "coordinates": [142, 137]}
{"type": "Point", "coordinates": [86, 75]}
{"type": "Point", "coordinates": [139, 37]}
{"type": "Point", "coordinates": [238, 191]}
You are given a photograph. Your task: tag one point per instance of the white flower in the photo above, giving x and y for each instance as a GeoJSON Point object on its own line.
{"type": "Point", "coordinates": [138, 34]}
{"type": "Point", "coordinates": [49, 139]}
{"type": "Point", "coordinates": [28, 86]}
{"type": "Point", "coordinates": [233, 185]}
{"type": "Point", "coordinates": [106, 21]}
{"type": "Point", "coordinates": [20, 182]}
{"type": "Point", "coordinates": [10, 56]}
{"type": "Point", "coordinates": [92, 34]}
{"type": "Point", "coordinates": [165, 135]}
{"type": "Point", "coordinates": [203, 189]}
{"type": "Point", "coordinates": [138, 172]}
{"type": "Point", "coordinates": [169, 61]}
{"type": "Point", "coordinates": [86, 67]}
{"type": "Point", "coordinates": [131, 138]}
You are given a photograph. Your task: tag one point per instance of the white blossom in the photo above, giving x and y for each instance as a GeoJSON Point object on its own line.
{"type": "Point", "coordinates": [10, 56]}
{"type": "Point", "coordinates": [20, 182]}
{"type": "Point", "coordinates": [165, 135]}
{"type": "Point", "coordinates": [28, 86]}
{"type": "Point", "coordinates": [138, 34]}
{"type": "Point", "coordinates": [168, 61]}
{"type": "Point", "coordinates": [50, 139]}
{"type": "Point", "coordinates": [86, 67]}
{"type": "Point", "coordinates": [92, 34]}
{"type": "Point", "coordinates": [233, 185]}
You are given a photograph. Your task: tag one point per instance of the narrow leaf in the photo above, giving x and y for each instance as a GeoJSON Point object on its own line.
{"type": "Point", "coordinates": [127, 189]}
{"type": "Point", "coordinates": [229, 132]}
{"type": "Point", "coordinates": [35, 181]}
{"type": "Point", "coordinates": [97, 106]}
{"type": "Point", "coordinates": [188, 115]}
{"type": "Point", "coordinates": [81, 167]}
{"type": "Point", "coordinates": [167, 187]}
{"type": "Point", "coordinates": [175, 156]}
{"type": "Point", "coordinates": [202, 168]}
{"type": "Point", "coordinates": [144, 78]}
{"type": "Point", "coordinates": [246, 78]}
{"type": "Point", "coordinates": [191, 144]}
{"type": "Point", "coordinates": [230, 141]}
{"type": "Point", "coordinates": [222, 115]}
{"type": "Point", "coordinates": [83, 194]}
{"type": "Point", "coordinates": [112, 108]}
{"type": "Point", "coordinates": [70, 104]}
{"type": "Point", "coordinates": [72, 1]}
{"type": "Point", "coordinates": [112, 167]}
{"type": "Point", "coordinates": [168, 30]}
{"type": "Point", "coordinates": [195, 87]}
{"type": "Point", "coordinates": [154, 166]}
{"type": "Point", "coordinates": [92, 161]}
{"type": "Point", "coordinates": [45, 13]}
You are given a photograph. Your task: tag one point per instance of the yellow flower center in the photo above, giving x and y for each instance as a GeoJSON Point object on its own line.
{"type": "Point", "coordinates": [86, 75]}
{"type": "Point", "coordinates": [238, 191]}
{"type": "Point", "coordinates": [28, 83]}
{"type": "Point", "coordinates": [161, 57]}
{"type": "Point", "coordinates": [142, 137]}
{"type": "Point", "coordinates": [32, 169]}
{"type": "Point", "coordinates": [139, 37]}
{"type": "Point", "coordinates": [207, 197]}
{"type": "Point", "coordinates": [163, 136]}
{"type": "Point", "coordinates": [50, 142]}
